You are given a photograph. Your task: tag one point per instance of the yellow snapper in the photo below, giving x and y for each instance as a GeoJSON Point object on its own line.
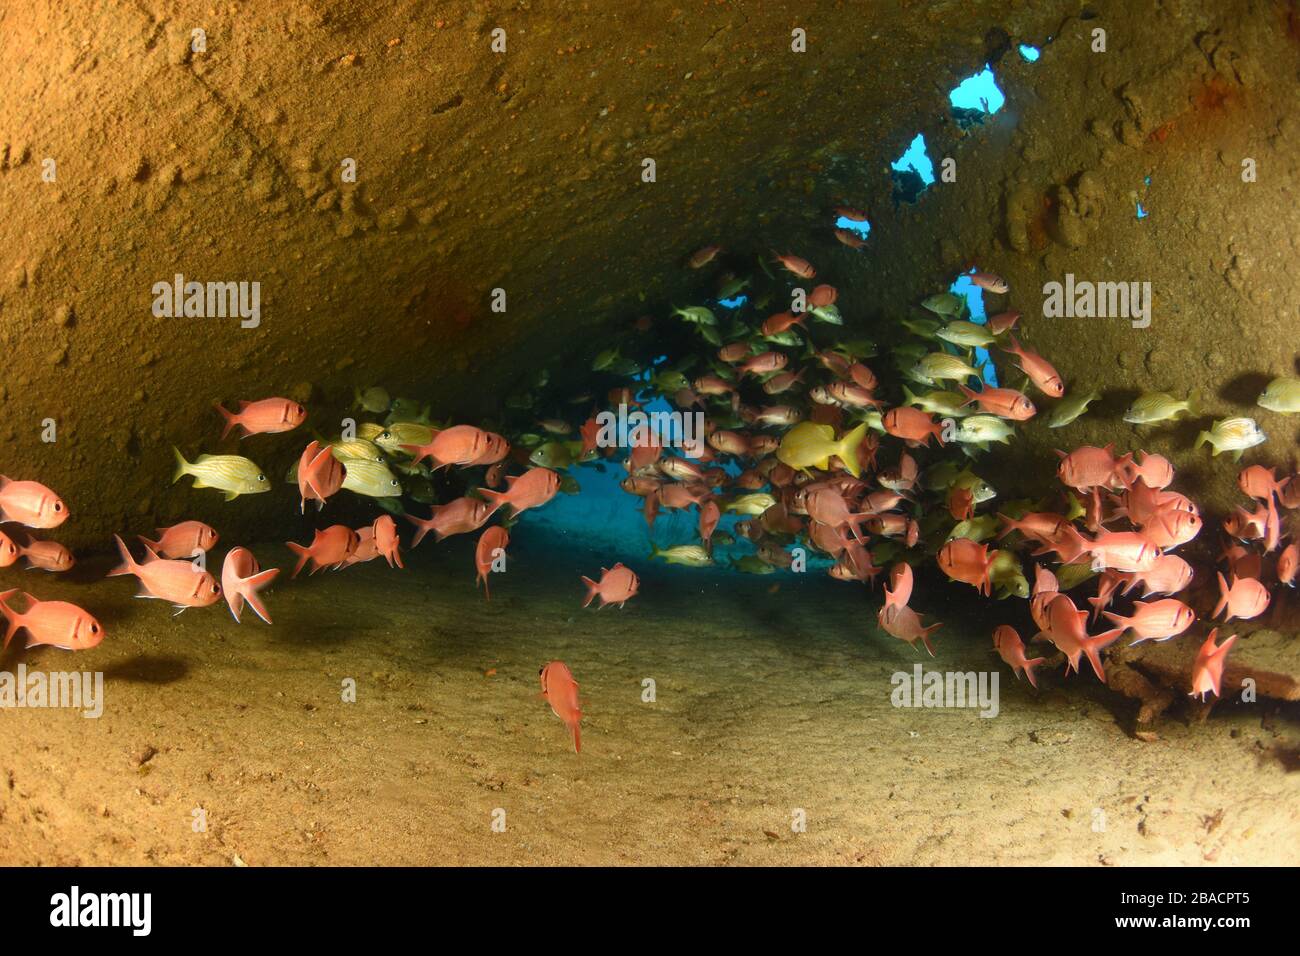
{"type": "Point", "coordinates": [1152, 407]}
{"type": "Point", "coordinates": [1232, 434]}
{"type": "Point", "coordinates": [809, 445]}
{"type": "Point", "coordinates": [966, 334]}
{"type": "Point", "coordinates": [978, 429]}
{"type": "Point", "coordinates": [1282, 395]}
{"type": "Point", "coordinates": [691, 555]}
{"type": "Point", "coordinates": [1006, 574]}
{"type": "Point", "coordinates": [374, 400]}
{"type": "Point", "coordinates": [938, 366]}
{"type": "Point", "coordinates": [556, 454]}
{"type": "Point", "coordinates": [356, 448]}
{"type": "Point", "coordinates": [394, 436]}
{"type": "Point", "coordinates": [754, 504]}
{"type": "Point", "coordinates": [1070, 408]}
{"type": "Point", "coordinates": [943, 404]}
{"type": "Point", "coordinates": [233, 474]}
{"type": "Point", "coordinates": [981, 491]}
{"type": "Point", "coordinates": [979, 528]}
{"type": "Point", "coordinates": [370, 478]}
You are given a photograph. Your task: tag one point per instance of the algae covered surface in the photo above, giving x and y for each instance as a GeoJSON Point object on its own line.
{"type": "Point", "coordinates": [771, 737]}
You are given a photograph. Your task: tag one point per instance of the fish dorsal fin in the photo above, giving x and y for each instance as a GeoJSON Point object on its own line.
{"type": "Point", "coordinates": [152, 555]}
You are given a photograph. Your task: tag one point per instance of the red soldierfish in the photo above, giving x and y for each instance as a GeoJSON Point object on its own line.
{"type": "Point", "coordinates": [532, 489]}
{"type": "Point", "coordinates": [900, 584]}
{"type": "Point", "coordinates": [241, 579]}
{"type": "Point", "coordinates": [1038, 369]}
{"type": "Point", "coordinates": [560, 690]}
{"type": "Point", "coordinates": [1067, 629]}
{"type": "Point", "coordinates": [1007, 642]}
{"type": "Point", "coordinates": [30, 503]}
{"type": "Point", "coordinates": [269, 416]}
{"type": "Point", "coordinates": [320, 474]}
{"type": "Point", "coordinates": [969, 562]}
{"type": "Point", "coordinates": [905, 624]}
{"type": "Point", "coordinates": [8, 550]}
{"type": "Point", "coordinates": [46, 555]}
{"type": "Point", "coordinates": [1089, 467]}
{"type": "Point", "coordinates": [178, 582]}
{"type": "Point", "coordinates": [492, 544]}
{"type": "Point", "coordinates": [1207, 671]}
{"type": "Point", "coordinates": [386, 541]}
{"type": "Point", "coordinates": [55, 623]}
{"type": "Point", "coordinates": [458, 445]}
{"type": "Point", "coordinates": [1003, 402]}
{"type": "Point", "coordinates": [616, 586]}
{"type": "Point", "coordinates": [182, 540]}
{"type": "Point", "coordinates": [456, 517]}
{"type": "Point", "coordinates": [1244, 599]}
{"type": "Point", "coordinates": [796, 266]}
{"type": "Point", "coordinates": [328, 549]}
{"type": "Point", "coordinates": [1156, 620]}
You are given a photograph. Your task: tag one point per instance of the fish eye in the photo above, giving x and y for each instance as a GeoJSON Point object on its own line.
{"type": "Point", "coordinates": [261, 477]}
{"type": "Point", "coordinates": [94, 629]}
{"type": "Point", "coordinates": [216, 588]}
{"type": "Point", "coordinates": [58, 506]}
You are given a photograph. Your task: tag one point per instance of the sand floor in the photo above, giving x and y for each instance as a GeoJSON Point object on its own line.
{"type": "Point", "coordinates": [769, 706]}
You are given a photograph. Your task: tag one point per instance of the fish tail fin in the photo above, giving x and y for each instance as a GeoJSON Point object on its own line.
{"type": "Point", "coordinates": [592, 589]}
{"type": "Point", "coordinates": [577, 738]}
{"type": "Point", "coordinates": [256, 582]}
{"type": "Point", "coordinates": [182, 466]}
{"type": "Point", "coordinates": [1201, 439]}
{"type": "Point", "coordinates": [128, 565]}
{"type": "Point", "coordinates": [925, 636]}
{"type": "Point", "coordinates": [495, 498]}
{"type": "Point", "coordinates": [1029, 671]}
{"type": "Point", "coordinates": [1194, 399]}
{"type": "Point", "coordinates": [1111, 616]}
{"type": "Point", "coordinates": [1093, 646]}
{"type": "Point", "coordinates": [230, 418]}
{"type": "Point", "coordinates": [1009, 525]}
{"type": "Point", "coordinates": [423, 525]}
{"type": "Point", "coordinates": [970, 393]}
{"type": "Point", "coordinates": [847, 449]}
{"type": "Point", "coordinates": [12, 617]}
{"type": "Point", "coordinates": [303, 554]}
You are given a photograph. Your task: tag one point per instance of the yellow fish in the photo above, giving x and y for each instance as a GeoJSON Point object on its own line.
{"type": "Point", "coordinates": [233, 474]}
{"type": "Point", "coordinates": [809, 445]}
{"type": "Point", "coordinates": [370, 478]}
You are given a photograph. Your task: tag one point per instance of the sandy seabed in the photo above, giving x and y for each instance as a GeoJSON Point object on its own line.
{"type": "Point", "coordinates": [772, 704]}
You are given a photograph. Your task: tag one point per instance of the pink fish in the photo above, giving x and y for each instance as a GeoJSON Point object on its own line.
{"type": "Point", "coordinates": [900, 584]}
{"type": "Point", "coordinates": [1038, 369]}
{"type": "Point", "coordinates": [182, 540]}
{"type": "Point", "coordinates": [560, 690]}
{"type": "Point", "coordinates": [241, 579]}
{"type": "Point", "coordinates": [320, 474]}
{"type": "Point", "coordinates": [990, 282]}
{"type": "Point", "coordinates": [328, 549]}
{"type": "Point", "coordinates": [532, 489]}
{"type": "Point", "coordinates": [269, 416]}
{"type": "Point", "coordinates": [616, 586]}
{"type": "Point", "coordinates": [30, 503]}
{"type": "Point", "coordinates": [457, 517]}
{"type": "Point", "coordinates": [1067, 629]}
{"type": "Point", "coordinates": [1207, 670]}
{"type": "Point", "coordinates": [52, 623]}
{"type": "Point", "coordinates": [458, 445]}
{"type": "Point", "coordinates": [904, 623]}
{"type": "Point", "coordinates": [1088, 467]}
{"type": "Point", "coordinates": [180, 583]}
{"type": "Point", "coordinates": [1156, 620]}
{"type": "Point", "coordinates": [1007, 642]}
{"type": "Point", "coordinates": [969, 562]}
{"type": "Point", "coordinates": [1155, 470]}
{"type": "Point", "coordinates": [796, 266]}
{"type": "Point", "coordinates": [1244, 599]}
{"type": "Point", "coordinates": [492, 544]}
{"type": "Point", "coordinates": [1287, 563]}
{"type": "Point", "coordinates": [387, 543]}
{"type": "Point", "coordinates": [1003, 322]}
{"type": "Point", "coordinates": [46, 555]}
{"type": "Point", "coordinates": [1169, 574]}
